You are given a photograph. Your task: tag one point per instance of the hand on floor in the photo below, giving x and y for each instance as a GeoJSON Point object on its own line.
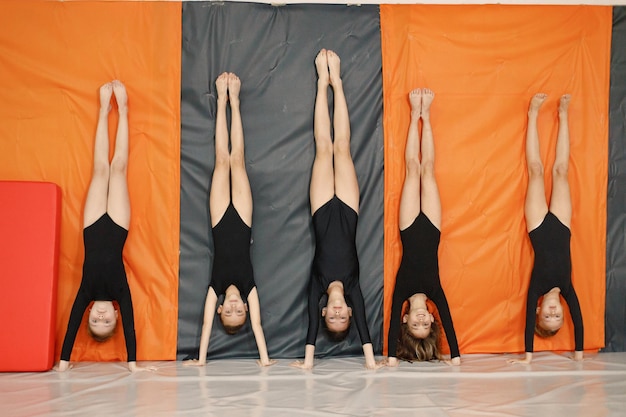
{"type": "Point", "coordinates": [270, 362]}
{"type": "Point", "coordinates": [194, 362]}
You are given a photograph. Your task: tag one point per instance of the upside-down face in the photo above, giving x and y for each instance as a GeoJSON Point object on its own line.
{"type": "Point", "coordinates": [102, 318]}
{"type": "Point", "coordinates": [419, 322]}
{"type": "Point", "coordinates": [337, 315]}
{"type": "Point", "coordinates": [550, 314]}
{"type": "Point", "coordinates": [233, 311]}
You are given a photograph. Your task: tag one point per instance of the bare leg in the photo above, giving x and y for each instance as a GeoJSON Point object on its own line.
{"type": "Point", "coordinates": [96, 203]}
{"type": "Point", "coordinates": [346, 184]}
{"type": "Point", "coordinates": [560, 201]}
{"type": "Point", "coordinates": [410, 199]}
{"type": "Point", "coordinates": [219, 197]}
{"type": "Point", "coordinates": [322, 183]}
{"type": "Point", "coordinates": [536, 207]}
{"type": "Point", "coordinates": [431, 203]}
{"type": "Point", "coordinates": [242, 195]}
{"type": "Point", "coordinates": [118, 204]}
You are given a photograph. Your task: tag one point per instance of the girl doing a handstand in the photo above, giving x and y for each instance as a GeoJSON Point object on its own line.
{"type": "Point", "coordinates": [106, 219]}
{"type": "Point", "coordinates": [414, 335]}
{"type": "Point", "coordinates": [230, 206]}
{"type": "Point", "coordinates": [334, 197]}
{"type": "Point", "coordinates": [549, 231]}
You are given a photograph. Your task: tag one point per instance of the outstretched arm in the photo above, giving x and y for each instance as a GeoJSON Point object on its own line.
{"type": "Point", "coordinates": [257, 329]}
{"type": "Point", "coordinates": [394, 325]}
{"type": "Point", "coordinates": [530, 329]}
{"type": "Point", "coordinates": [370, 360]}
{"type": "Point", "coordinates": [439, 297]}
{"type": "Point", "coordinates": [574, 308]}
{"type": "Point", "coordinates": [78, 309]}
{"type": "Point", "coordinates": [315, 293]}
{"type": "Point", "coordinates": [358, 308]}
{"type": "Point", "coordinates": [529, 333]}
{"type": "Point", "coordinates": [125, 302]}
{"type": "Point", "coordinates": [209, 313]}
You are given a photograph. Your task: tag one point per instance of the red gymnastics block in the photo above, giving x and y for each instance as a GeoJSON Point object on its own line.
{"type": "Point", "coordinates": [30, 214]}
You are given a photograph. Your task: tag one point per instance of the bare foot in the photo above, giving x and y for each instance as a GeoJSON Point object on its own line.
{"type": "Point", "coordinates": [234, 85]}
{"type": "Point", "coordinates": [222, 86]}
{"type": "Point", "coordinates": [321, 65]}
{"type": "Point", "coordinates": [120, 94]}
{"type": "Point", "coordinates": [334, 66]}
{"type": "Point", "coordinates": [564, 103]}
{"type": "Point", "coordinates": [415, 98]}
{"type": "Point", "coordinates": [428, 96]}
{"type": "Point", "coordinates": [536, 102]}
{"type": "Point", "coordinates": [105, 96]}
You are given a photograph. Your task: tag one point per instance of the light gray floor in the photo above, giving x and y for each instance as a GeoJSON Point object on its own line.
{"type": "Point", "coordinates": [484, 385]}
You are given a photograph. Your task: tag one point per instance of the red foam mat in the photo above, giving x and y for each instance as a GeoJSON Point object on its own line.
{"type": "Point", "coordinates": [29, 248]}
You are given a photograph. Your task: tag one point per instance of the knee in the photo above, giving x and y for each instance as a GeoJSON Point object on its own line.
{"type": "Point", "coordinates": [324, 148]}
{"type": "Point", "coordinates": [101, 169]}
{"type": "Point", "coordinates": [559, 171]}
{"type": "Point", "coordinates": [341, 147]}
{"type": "Point", "coordinates": [535, 170]}
{"type": "Point", "coordinates": [118, 166]}
{"type": "Point", "coordinates": [222, 160]}
{"type": "Point", "coordinates": [413, 167]}
{"type": "Point", "coordinates": [237, 159]}
{"type": "Point", "coordinates": [428, 169]}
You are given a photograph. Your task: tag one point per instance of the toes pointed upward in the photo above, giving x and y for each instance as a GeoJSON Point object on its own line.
{"type": "Point", "coordinates": [428, 96]}
{"type": "Point", "coordinates": [415, 98]}
{"type": "Point", "coordinates": [234, 85]}
{"type": "Point", "coordinates": [334, 67]}
{"type": "Point", "coordinates": [221, 84]}
{"type": "Point", "coordinates": [564, 102]}
{"type": "Point", "coordinates": [106, 91]}
{"type": "Point", "coordinates": [321, 64]}
{"type": "Point", "coordinates": [120, 93]}
{"type": "Point", "coordinates": [537, 101]}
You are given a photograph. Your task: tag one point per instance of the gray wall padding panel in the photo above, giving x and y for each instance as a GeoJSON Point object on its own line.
{"type": "Point", "coordinates": [615, 331]}
{"type": "Point", "coordinates": [272, 50]}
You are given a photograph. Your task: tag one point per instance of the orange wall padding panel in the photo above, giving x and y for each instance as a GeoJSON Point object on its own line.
{"type": "Point", "coordinates": [484, 64]}
{"type": "Point", "coordinates": [55, 57]}
{"type": "Point", "coordinates": [30, 215]}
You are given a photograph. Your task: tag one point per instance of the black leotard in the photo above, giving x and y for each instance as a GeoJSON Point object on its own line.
{"type": "Point", "coordinates": [336, 260]}
{"type": "Point", "coordinates": [552, 268]}
{"type": "Point", "coordinates": [104, 279]}
{"type": "Point", "coordinates": [231, 263]}
{"type": "Point", "coordinates": [419, 273]}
